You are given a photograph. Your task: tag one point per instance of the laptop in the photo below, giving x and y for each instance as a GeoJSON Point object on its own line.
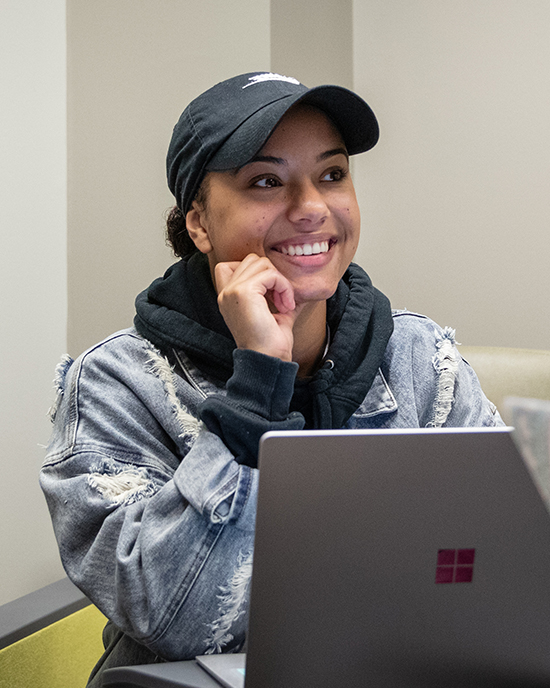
{"type": "Point", "coordinates": [395, 558]}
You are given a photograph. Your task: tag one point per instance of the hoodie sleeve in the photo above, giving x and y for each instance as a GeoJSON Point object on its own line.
{"type": "Point", "coordinates": [257, 400]}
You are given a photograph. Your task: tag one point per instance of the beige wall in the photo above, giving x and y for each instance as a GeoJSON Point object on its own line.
{"type": "Point", "coordinates": [311, 41]}
{"type": "Point", "coordinates": [455, 198]}
{"type": "Point", "coordinates": [133, 65]}
{"type": "Point", "coordinates": [33, 283]}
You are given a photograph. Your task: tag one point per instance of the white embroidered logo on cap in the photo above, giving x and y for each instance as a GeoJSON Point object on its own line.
{"type": "Point", "coordinates": [269, 76]}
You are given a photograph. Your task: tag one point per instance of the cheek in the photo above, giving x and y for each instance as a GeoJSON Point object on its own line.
{"type": "Point", "coordinates": [253, 229]}
{"type": "Point", "coordinates": [235, 242]}
{"type": "Point", "coordinates": [351, 218]}
{"type": "Point", "coordinates": [237, 229]}
{"type": "Point", "coordinates": [355, 219]}
{"type": "Point", "coordinates": [252, 241]}
{"type": "Point", "coordinates": [259, 228]}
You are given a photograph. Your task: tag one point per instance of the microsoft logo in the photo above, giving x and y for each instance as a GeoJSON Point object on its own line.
{"type": "Point", "coordinates": [455, 566]}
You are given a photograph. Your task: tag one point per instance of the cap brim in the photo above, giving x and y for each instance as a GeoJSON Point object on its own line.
{"type": "Point", "coordinates": [351, 115]}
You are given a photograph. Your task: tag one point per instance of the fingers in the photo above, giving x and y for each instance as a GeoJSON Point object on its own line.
{"type": "Point", "coordinates": [223, 272]}
{"type": "Point", "coordinates": [258, 274]}
{"type": "Point", "coordinates": [283, 299]}
{"type": "Point", "coordinates": [247, 292]}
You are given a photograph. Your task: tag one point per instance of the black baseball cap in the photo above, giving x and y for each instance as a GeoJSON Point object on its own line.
{"type": "Point", "coordinates": [227, 125]}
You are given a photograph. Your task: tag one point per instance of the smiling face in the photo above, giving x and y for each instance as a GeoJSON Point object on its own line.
{"type": "Point", "coordinates": [293, 203]}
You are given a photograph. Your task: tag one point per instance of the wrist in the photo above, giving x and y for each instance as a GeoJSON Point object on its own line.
{"type": "Point", "coordinates": [261, 383]}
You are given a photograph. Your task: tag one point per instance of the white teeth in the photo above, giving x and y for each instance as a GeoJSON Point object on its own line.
{"type": "Point", "coordinates": [305, 249]}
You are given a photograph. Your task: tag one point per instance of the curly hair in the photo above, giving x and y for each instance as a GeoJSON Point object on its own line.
{"type": "Point", "coordinates": [177, 235]}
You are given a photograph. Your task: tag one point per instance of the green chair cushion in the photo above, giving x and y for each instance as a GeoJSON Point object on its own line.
{"type": "Point", "coordinates": [61, 655]}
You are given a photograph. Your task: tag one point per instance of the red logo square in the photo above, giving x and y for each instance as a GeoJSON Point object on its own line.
{"type": "Point", "coordinates": [446, 557]}
{"type": "Point", "coordinates": [465, 556]}
{"type": "Point", "coordinates": [455, 566]}
{"type": "Point", "coordinates": [464, 574]}
{"type": "Point", "coordinates": [444, 574]}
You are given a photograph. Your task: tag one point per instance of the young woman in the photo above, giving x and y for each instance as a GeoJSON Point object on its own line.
{"type": "Point", "coordinates": [264, 323]}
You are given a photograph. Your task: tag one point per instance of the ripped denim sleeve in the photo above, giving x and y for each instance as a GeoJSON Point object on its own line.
{"type": "Point", "coordinates": [233, 605]}
{"type": "Point", "coordinates": [121, 486]}
{"type": "Point", "coordinates": [60, 375]}
{"type": "Point", "coordinates": [158, 366]}
{"type": "Point", "coordinates": [445, 362]}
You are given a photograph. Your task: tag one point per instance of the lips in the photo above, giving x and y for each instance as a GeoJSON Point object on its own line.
{"type": "Point", "coordinates": [312, 249]}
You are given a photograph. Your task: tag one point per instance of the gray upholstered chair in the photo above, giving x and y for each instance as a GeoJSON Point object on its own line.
{"type": "Point", "coordinates": [505, 372]}
{"type": "Point", "coordinates": [50, 638]}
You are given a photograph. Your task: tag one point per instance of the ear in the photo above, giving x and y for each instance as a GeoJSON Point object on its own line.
{"type": "Point", "coordinates": [197, 228]}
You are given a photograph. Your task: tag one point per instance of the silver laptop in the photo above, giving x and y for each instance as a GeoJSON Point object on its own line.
{"type": "Point", "coordinates": [398, 558]}
{"type": "Point", "coordinates": [393, 559]}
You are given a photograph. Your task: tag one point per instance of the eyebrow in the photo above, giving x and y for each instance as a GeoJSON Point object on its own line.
{"type": "Point", "coordinates": [266, 158]}
{"type": "Point", "coordinates": [281, 161]}
{"type": "Point", "coordinates": [332, 152]}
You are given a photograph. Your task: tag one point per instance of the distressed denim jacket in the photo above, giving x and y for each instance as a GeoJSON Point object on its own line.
{"type": "Point", "coordinates": [153, 515]}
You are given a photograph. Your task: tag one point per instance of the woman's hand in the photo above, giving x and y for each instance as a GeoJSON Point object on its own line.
{"type": "Point", "coordinates": [249, 292]}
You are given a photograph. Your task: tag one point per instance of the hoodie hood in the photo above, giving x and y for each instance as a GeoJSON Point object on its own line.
{"type": "Point", "coordinates": [180, 310]}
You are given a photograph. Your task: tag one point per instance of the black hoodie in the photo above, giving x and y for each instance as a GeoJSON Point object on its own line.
{"type": "Point", "coordinates": [179, 310]}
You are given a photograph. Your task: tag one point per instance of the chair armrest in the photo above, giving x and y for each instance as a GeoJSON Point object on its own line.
{"type": "Point", "coordinates": [39, 609]}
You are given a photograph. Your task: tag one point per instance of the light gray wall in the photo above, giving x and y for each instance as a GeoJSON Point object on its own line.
{"type": "Point", "coordinates": [33, 284]}
{"type": "Point", "coordinates": [133, 67]}
{"type": "Point", "coordinates": [455, 198]}
{"type": "Point", "coordinates": [311, 41]}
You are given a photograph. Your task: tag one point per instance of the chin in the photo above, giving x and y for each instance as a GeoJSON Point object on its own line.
{"type": "Point", "coordinates": [313, 295]}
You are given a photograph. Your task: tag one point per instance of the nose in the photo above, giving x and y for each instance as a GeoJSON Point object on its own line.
{"type": "Point", "coordinates": [307, 206]}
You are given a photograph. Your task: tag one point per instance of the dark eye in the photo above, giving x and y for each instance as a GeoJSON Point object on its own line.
{"type": "Point", "coordinates": [335, 175]}
{"type": "Point", "coordinates": [267, 183]}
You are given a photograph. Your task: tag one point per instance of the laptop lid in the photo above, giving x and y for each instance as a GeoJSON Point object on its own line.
{"type": "Point", "coordinates": [398, 558]}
